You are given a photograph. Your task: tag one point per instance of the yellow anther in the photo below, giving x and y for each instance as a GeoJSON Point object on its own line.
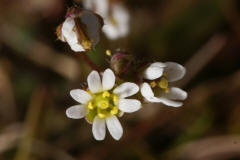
{"type": "Point", "coordinates": [153, 84]}
{"type": "Point", "coordinates": [163, 83]}
{"type": "Point", "coordinates": [115, 99]}
{"type": "Point", "coordinates": [90, 105]}
{"type": "Point", "coordinates": [108, 52]}
{"type": "Point", "coordinates": [105, 94]}
{"type": "Point", "coordinates": [166, 90]}
{"type": "Point", "coordinates": [114, 110]}
{"type": "Point", "coordinates": [86, 44]}
{"type": "Point", "coordinates": [101, 115]}
{"type": "Point", "coordinates": [84, 40]}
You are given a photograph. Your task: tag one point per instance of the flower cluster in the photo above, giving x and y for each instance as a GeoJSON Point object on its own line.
{"type": "Point", "coordinates": [113, 92]}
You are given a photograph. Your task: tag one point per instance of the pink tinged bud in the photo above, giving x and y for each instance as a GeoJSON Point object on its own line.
{"type": "Point", "coordinates": [121, 62]}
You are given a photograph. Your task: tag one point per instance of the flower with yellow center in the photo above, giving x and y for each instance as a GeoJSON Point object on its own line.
{"type": "Point", "coordinates": [160, 76]}
{"type": "Point", "coordinates": [102, 103]}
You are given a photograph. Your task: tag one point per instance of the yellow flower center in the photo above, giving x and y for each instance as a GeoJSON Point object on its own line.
{"type": "Point", "coordinates": [162, 83]}
{"type": "Point", "coordinates": [102, 105]}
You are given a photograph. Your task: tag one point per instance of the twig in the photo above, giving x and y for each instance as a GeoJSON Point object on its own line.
{"type": "Point", "coordinates": [88, 61]}
{"type": "Point", "coordinates": [202, 57]}
{"type": "Point", "coordinates": [31, 123]}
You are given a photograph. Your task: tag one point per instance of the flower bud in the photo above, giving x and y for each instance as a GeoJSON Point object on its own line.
{"type": "Point", "coordinates": [81, 29]}
{"type": "Point", "coordinates": [121, 63]}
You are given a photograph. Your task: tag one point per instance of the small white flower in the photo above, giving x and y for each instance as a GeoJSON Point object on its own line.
{"type": "Point", "coordinates": [116, 17]}
{"type": "Point", "coordinates": [99, 6]}
{"type": "Point", "coordinates": [117, 24]}
{"type": "Point", "coordinates": [159, 75]}
{"type": "Point", "coordinates": [101, 104]}
{"type": "Point", "coordinates": [81, 29]}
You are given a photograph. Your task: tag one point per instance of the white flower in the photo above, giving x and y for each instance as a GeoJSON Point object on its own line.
{"type": "Point", "coordinates": [99, 6]}
{"type": "Point", "coordinates": [81, 29]}
{"type": "Point", "coordinates": [117, 24]}
{"type": "Point", "coordinates": [116, 17]}
{"type": "Point", "coordinates": [102, 104]}
{"type": "Point", "coordinates": [159, 75]}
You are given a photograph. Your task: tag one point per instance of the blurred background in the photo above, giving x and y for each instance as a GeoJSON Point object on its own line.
{"type": "Point", "coordinates": [37, 72]}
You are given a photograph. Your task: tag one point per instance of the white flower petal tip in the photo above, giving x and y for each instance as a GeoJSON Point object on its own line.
{"type": "Point", "coordinates": [129, 105]}
{"type": "Point", "coordinates": [80, 96]}
{"type": "Point", "coordinates": [126, 89]}
{"type": "Point", "coordinates": [114, 127]}
{"type": "Point", "coordinates": [174, 71]}
{"type": "Point", "coordinates": [158, 64]}
{"type": "Point", "coordinates": [108, 79]}
{"type": "Point", "coordinates": [99, 128]}
{"type": "Point", "coordinates": [176, 94]}
{"type": "Point", "coordinates": [153, 72]}
{"type": "Point", "coordinates": [94, 82]}
{"type": "Point", "coordinates": [76, 112]}
{"type": "Point", "coordinates": [170, 103]}
{"type": "Point", "coordinates": [146, 90]}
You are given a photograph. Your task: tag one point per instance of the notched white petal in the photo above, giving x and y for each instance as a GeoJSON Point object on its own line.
{"type": "Point", "coordinates": [70, 35]}
{"type": "Point", "coordinates": [108, 80]}
{"type": "Point", "coordinates": [99, 128]}
{"type": "Point", "coordinates": [153, 72]}
{"type": "Point", "coordinates": [169, 102]}
{"type": "Point", "coordinates": [158, 64]}
{"type": "Point", "coordinates": [80, 96]}
{"type": "Point", "coordinates": [174, 71]}
{"type": "Point", "coordinates": [114, 127]}
{"type": "Point", "coordinates": [126, 89]}
{"type": "Point", "coordinates": [94, 82]}
{"type": "Point", "coordinates": [129, 105]}
{"type": "Point", "coordinates": [176, 94]}
{"type": "Point", "coordinates": [76, 112]}
{"type": "Point", "coordinates": [146, 90]}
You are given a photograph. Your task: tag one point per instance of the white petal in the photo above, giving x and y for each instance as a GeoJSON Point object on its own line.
{"type": "Point", "coordinates": [94, 82]}
{"type": "Point", "coordinates": [126, 89]}
{"type": "Point", "coordinates": [153, 72]}
{"type": "Point", "coordinates": [77, 111]}
{"type": "Point", "coordinates": [100, 7]}
{"type": "Point", "coordinates": [169, 102]}
{"type": "Point", "coordinates": [174, 71]}
{"type": "Point", "coordinates": [114, 127]}
{"type": "Point", "coordinates": [76, 47]}
{"type": "Point", "coordinates": [176, 94]}
{"type": "Point", "coordinates": [80, 96]}
{"type": "Point", "coordinates": [108, 80]}
{"type": "Point", "coordinates": [158, 64]}
{"type": "Point", "coordinates": [110, 30]}
{"type": "Point", "coordinates": [146, 90]}
{"type": "Point", "coordinates": [70, 35]}
{"type": "Point", "coordinates": [99, 128]}
{"type": "Point", "coordinates": [67, 30]}
{"type": "Point", "coordinates": [153, 99]}
{"type": "Point", "coordinates": [129, 105]}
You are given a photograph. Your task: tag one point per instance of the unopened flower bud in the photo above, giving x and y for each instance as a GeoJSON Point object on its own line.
{"type": "Point", "coordinates": [81, 29]}
{"type": "Point", "coordinates": [121, 62]}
